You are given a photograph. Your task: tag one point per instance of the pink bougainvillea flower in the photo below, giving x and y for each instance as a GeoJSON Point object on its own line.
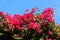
{"type": "Point", "coordinates": [41, 17]}
{"type": "Point", "coordinates": [22, 22]}
{"type": "Point", "coordinates": [17, 16]}
{"type": "Point", "coordinates": [18, 27]}
{"type": "Point", "coordinates": [1, 14]}
{"type": "Point", "coordinates": [50, 19]}
{"type": "Point", "coordinates": [48, 10]}
{"type": "Point", "coordinates": [12, 21]}
{"type": "Point", "coordinates": [15, 23]}
{"type": "Point", "coordinates": [38, 30]}
{"type": "Point", "coordinates": [33, 25]}
{"type": "Point", "coordinates": [47, 14]}
{"type": "Point", "coordinates": [28, 17]}
{"type": "Point", "coordinates": [50, 39]}
{"type": "Point", "coordinates": [49, 32]}
{"type": "Point", "coordinates": [7, 16]}
{"type": "Point", "coordinates": [22, 28]}
{"type": "Point", "coordinates": [47, 38]}
{"type": "Point", "coordinates": [25, 17]}
{"type": "Point", "coordinates": [31, 17]}
{"type": "Point", "coordinates": [11, 26]}
{"type": "Point", "coordinates": [33, 10]}
{"type": "Point", "coordinates": [37, 25]}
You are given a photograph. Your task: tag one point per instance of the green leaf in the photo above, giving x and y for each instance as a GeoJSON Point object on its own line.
{"type": "Point", "coordinates": [51, 25]}
{"type": "Point", "coordinates": [19, 38]}
{"type": "Point", "coordinates": [1, 34]}
{"type": "Point", "coordinates": [41, 38]}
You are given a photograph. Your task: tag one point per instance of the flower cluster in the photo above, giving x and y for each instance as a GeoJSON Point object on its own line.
{"type": "Point", "coordinates": [29, 26]}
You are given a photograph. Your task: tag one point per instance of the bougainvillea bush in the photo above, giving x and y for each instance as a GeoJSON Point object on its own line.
{"type": "Point", "coordinates": [29, 26]}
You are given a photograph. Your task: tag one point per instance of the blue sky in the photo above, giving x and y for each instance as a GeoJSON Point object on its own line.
{"type": "Point", "coordinates": [18, 6]}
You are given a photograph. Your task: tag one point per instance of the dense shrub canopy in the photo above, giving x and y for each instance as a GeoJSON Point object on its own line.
{"type": "Point", "coordinates": [29, 26]}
